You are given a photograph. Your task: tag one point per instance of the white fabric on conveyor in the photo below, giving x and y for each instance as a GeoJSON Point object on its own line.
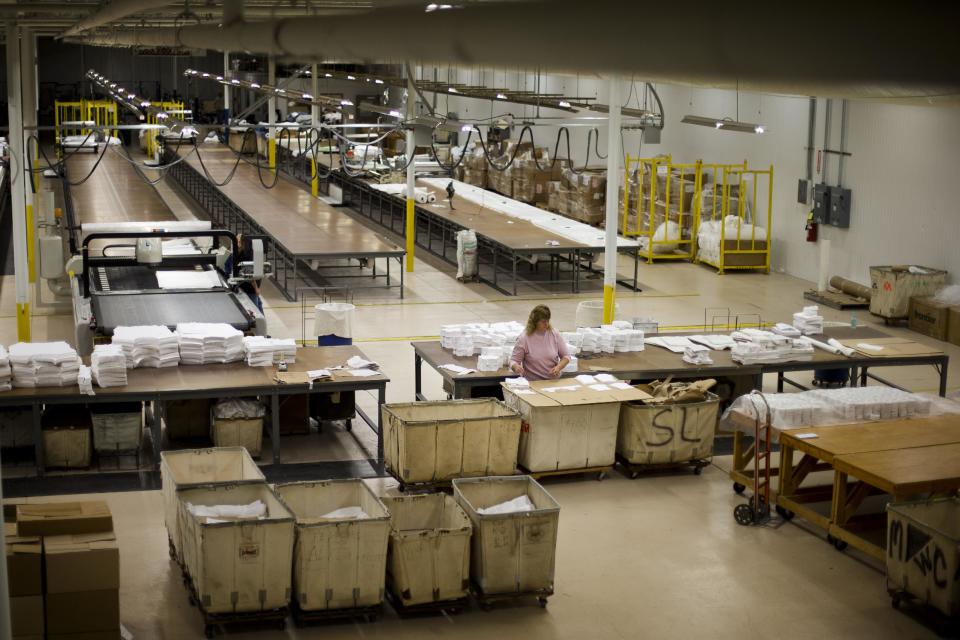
{"type": "Point", "coordinates": [109, 365]}
{"type": "Point", "coordinates": [265, 352]}
{"type": "Point", "coordinates": [191, 279]}
{"type": "Point", "coordinates": [148, 346]}
{"type": "Point", "coordinates": [44, 364]}
{"type": "Point", "coordinates": [209, 343]}
{"type": "Point", "coordinates": [517, 505]}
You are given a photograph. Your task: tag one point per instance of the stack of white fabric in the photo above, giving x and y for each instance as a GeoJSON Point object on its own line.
{"type": "Point", "coordinates": [697, 354]}
{"type": "Point", "coordinates": [788, 330]}
{"type": "Point", "coordinates": [809, 322]}
{"type": "Point", "coordinates": [5, 374]}
{"type": "Point", "coordinates": [610, 338]}
{"type": "Point", "coordinates": [264, 352]}
{"type": "Point", "coordinates": [468, 339]}
{"type": "Point", "coordinates": [150, 346]}
{"type": "Point", "coordinates": [209, 343]}
{"type": "Point", "coordinates": [758, 346]}
{"type": "Point", "coordinates": [873, 403]}
{"type": "Point", "coordinates": [44, 364]}
{"type": "Point", "coordinates": [574, 341]}
{"type": "Point", "coordinates": [109, 365]}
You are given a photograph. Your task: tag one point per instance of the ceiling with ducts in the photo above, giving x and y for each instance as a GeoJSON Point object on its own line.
{"type": "Point", "coordinates": [895, 52]}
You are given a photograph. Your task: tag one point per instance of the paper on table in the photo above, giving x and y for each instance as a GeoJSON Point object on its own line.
{"type": "Point", "coordinates": [600, 387]}
{"type": "Point", "coordinates": [585, 378]}
{"type": "Point", "coordinates": [520, 391]}
{"type": "Point", "coordinates": [621, 385]}
{"type": "Point", "coordinates": [356, 362]}
{"type": "Point", "coordinates": [869, 347]}
{"type": "Point", "coordinates": [318, 373]}
{"type": "Point", "coordinates": [556, 389]}
{"type": "Point", "coordinates": [517, 382]}
{"type": "Point", "coordinates": [605, 378]}
{"type": "Point", "coordinates": [457, 369]}
{"type": "Point", "coordinates": [363, 373]}
{"type": "Point", "coordinates": [806, 436]}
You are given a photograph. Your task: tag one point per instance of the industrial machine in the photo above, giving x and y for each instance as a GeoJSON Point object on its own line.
{"type": "Point", "coordinates": [162, 277]}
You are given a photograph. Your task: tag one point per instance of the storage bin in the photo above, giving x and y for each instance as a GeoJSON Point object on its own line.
{"type": "Point", "coordinates": [333, 406]}
{"type": "Point", "coordinates": [431, 441]}
{"type": "Point", "coordinates": [66, 436]}
{"type": "Point", "coordinates": [893, 286]}
{"type": "Point", "coordinates": [116, 427]}
{"type": "Point", "coordinates": [429, 551]}
{"type": "Point", "coordinates": [294, 413]}
{"type": "Point", "coordinates": [590, 313]}
{"type": "Point", "coordinates": [238, 565]}
{"type": "Point", "coordinates": [923, 552]}
{"type": "Point", "coordinates": [16, 427]}
{"type": "Point", "coordinates": [340, 562]}
{"type": "Point", "coordinates": [565, 436]}
{"type": "Point", "coordinates": [238, 422]}
{"type": "Point", "coordinates": [186, 419]}
{"type": "Point", "coordinates": [665, 433]}
{"type": "Point", "coordinates": [190, 468]}
{"type": "Point", "coordinates": [511, 552]}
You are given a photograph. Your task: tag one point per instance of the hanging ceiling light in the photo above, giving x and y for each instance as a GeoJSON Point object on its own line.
{"type": "Point", "coordinates": [724, 124]}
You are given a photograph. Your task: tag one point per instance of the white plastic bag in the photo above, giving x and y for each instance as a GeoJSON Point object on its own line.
{"type": "Point", "coordinates": [466, 254]}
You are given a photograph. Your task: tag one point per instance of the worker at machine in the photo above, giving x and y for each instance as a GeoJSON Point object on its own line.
{"type": "Point", "coordinates": [540, 352]}
{"type": "Point", "coordinates": [244, 253]}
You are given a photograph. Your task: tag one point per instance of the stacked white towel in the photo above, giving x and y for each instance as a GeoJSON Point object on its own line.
{"type": "Point", "coordinates": [5, 373]}
{"type": "Point", "coordinates": [44, 364]}
{"type": "Point", "coordinates": [151, 346]}
{"type": "Point", "coordinates": [85, 380]}
{"type": "Point", "coordinates": [809, 322]}
{"type": "Point", "coordinates": [209, 343]}
{"type": "Point", "coordinates": [265, 352]}
{"type": "Point", "coordinates": [109, 365]}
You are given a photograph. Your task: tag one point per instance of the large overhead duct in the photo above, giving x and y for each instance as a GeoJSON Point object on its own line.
{"type": "Point", "coordinates": [881, 52]}
{"type": "Point", "coordinates": [116, 10]}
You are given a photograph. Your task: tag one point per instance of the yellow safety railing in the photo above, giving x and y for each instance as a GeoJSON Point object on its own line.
{"type": "Point", "coordinates": [150, 135]}
{"type": "Point", "coordinates": [731, 236]}
{"type": "Point", "coordinates": [103, 113]}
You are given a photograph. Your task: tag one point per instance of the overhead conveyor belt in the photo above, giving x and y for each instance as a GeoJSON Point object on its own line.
{"type": "Point", "coordinates": [301, 228]}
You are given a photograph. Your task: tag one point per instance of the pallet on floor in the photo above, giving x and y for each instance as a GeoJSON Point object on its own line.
{"type": "Point", "coordinates": [835, 300]}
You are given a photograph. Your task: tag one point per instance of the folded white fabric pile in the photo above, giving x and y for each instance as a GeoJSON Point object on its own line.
{"type": "Point", "coordinates": [610, 338]}
{"type": "Point", "coordinates": [697, 354]}
{"type": "Point", "coordinates": [150, 346]}
{"type": "Point", "coordinates": [44, 364]}
{"type": "Point", "coordinates": [209, 343]}
{"type": "Point", "coordinates": [809, 322]}
{"type": "Point", "coordinates": [714, 341]}
{"type": "Point", "coordinates": [5, 373]}
{"type": "Point", "coordinates": [469, 339]}
{"type": "Point", "coordinates": [109, 365]}
{"type": "Point", "coordinates": [265, 352]}
{"type": "Point", "coordinates": [873, 403]}
{"type": "Point", "coordinates": [85, 380]}
{"type": "Point", "coordinates": [755, 346]}
{"type": "Point", "coordinates": [788, 330]}
{"type": "Point", "coordinates": [256, 510]}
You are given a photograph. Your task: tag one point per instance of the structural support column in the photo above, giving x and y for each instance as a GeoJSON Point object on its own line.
{"type": "Point", "coordinates": [28, 85]}
{"type": "Point", "coordinates": [227, 103]}
{"type": "Point", "coordinates": [272, 115]}
{"type": "Point", "coordinates": [17, 186]}
{"type": "Point", "coordinates": [315, 123]}
{"type": "Point", "coordinates": [411, 227]}
{"type": "Point", "coordinates": [613, 180]}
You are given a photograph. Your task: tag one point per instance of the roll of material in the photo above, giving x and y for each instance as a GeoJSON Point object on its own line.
{"type": "Point", "coordinates": [851, 288]}
{"type": "Point", "coordinates": [824, 265]}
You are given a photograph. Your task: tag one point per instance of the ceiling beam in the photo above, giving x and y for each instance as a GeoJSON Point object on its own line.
{"type": "Point", "coordinates": [116, 10]}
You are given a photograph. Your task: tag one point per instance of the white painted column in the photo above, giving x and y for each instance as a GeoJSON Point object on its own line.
{"type": "Point", "coordinates": [226, 87]}
{"type": "Point", "coordinates": [17, 195]}
{"type": "Point", "coordinates": [613, 180]}
{"type": "Point", "coordinates": [411, 227]}
{"type": "Point", "coordinates": [28, 88]}
{"type": "Point", "coordinates": [272, 114]}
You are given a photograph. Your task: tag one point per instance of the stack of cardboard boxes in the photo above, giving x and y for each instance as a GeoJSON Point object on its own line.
{"type": "Point", "coordinates": [935, 319]}
{"type": "Point", "coordinates": [64, 572]}
{"type": "Point", "coordinates": [581, 196]}
{"type": "Point", "coordinates": [474, 168]}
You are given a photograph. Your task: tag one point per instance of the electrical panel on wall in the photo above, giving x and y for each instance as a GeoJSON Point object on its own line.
{"type": "Point", "coordinates": [840, 207]}
{"type": "Point", "coordinates": [821, 204]}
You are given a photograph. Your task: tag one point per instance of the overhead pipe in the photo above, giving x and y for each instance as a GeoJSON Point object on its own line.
{"type": "Point", "coordinates": [843, 142]}
{"type": "Point", "coordinates": [116, 10]}
{"type": "Point", "coordinates": [877, 63]}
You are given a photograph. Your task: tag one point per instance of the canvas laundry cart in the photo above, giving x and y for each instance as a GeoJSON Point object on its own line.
{"type": "Point", "coordinates": [431, 442]}
{"type": "Point", "coordinates": [340, 557]}
{"type": "Point", "coordinates": [238, 552]}
{"type": "Point", "coordinates": [190, 468]}
{"type": "Point", "coordinates": [514, 547]}
{"type": "Point", "coordinates": [428, 566]}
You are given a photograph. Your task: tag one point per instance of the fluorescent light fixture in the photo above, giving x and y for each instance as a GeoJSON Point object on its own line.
{"type": "Point", "coordinates": [328, 75]}
{"type": "Point", "coordinates": [451, 90]}
{"type": "Point", "coordinates": [279, 90]}
{"type": "Point", "coordinates": [219, 77]}
{"type": "Point", "coordinates": [307, 96]}
{"type": "Point", "coordinates": [500, 96]}
{"type": "Point", "coordinates": [467, 128]}
{"type": "Point", "coordinates": [145, 103]}
{"type": "Point", "coordinates": [131, 96]}
{"type": "Point", "coordinates": [378, 81]}
{"type": "Point", "coordinates": [394, 113]}
{"type": "Point", "coordinates": [254, 85]}
{"type": "Point", "coordinates": [206, 75]}
{"type": "Point", "coordinates": [346, 103]}
{"type": "Point", "coordinates": [564, 104]}
{"type": "Point", "coordinates": [351, 78]}
{"type": "Point", "coordinates": [724, 124]}
{"type": "Point", "coordinates": [234, 81]}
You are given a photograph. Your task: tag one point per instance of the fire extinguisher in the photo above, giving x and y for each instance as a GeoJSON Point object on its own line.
{"type": "Point", "coordinates": [811, 228]}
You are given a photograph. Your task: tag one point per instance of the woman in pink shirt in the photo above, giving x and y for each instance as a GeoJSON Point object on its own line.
{"type": "Point", "coordinates": [540, 352]}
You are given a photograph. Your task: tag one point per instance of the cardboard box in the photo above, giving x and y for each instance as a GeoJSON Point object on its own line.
{"type": "Point", "coordinates": [953, 326]}
{"type": "Point", "coordinates": [10, 508]}
{"type": "Point", "coordinates": [63, 518]}
{"type": "Point", "coordinates": [929, 317]}
{"type": "Point", "coordinates": [24, 571]}
{"type": "Point", "coordinates": [574, 427]}
{"type": "Point", "coordinates": [83, 611]}
{"type": "Point", "coordinates": [26, 616]}
{"type": "Point", "coordinates": [893, 286]}
{"type": "Point", "coordinates": [82, 562]}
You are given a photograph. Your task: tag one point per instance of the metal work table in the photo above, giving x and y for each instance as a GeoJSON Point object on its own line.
{"type": "Point", "coordinates": [232, 380]}
{"type": "Point", "coordinates": [503, 243]}
{"type": "Point", "coordinates": [300, 228]}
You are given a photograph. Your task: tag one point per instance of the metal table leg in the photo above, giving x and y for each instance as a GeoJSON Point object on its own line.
{"type": "Point", "coordinates": [275, 426]}
{"type": "Point", "coordinates": [381, 400]}
{"type": "Point", "coordinates": [155, 430]}
{"type": "Point", "coordinates": [418, 377]}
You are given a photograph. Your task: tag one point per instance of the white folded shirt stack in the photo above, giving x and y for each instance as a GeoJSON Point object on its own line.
{"type": "Point", "coordinates": [5, 373]}
{"type": "Point", "coordinates": [265, 352]}
{"type": "Point", "coordinates": [209, 343]}
{"type": "Point", "coordinates": [44, 364]}
{"type": "Point", "coordinates": [109, 365]}
{"type": "Point", "coordinates": [148, 346]}
{"type": "Point", "coordinates": [697, 354]}
{"type": "Point", "coordinates": [809, 322]}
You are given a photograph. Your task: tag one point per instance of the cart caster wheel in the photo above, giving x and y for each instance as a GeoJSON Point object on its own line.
{"type": "Point", "coordinates": [208, 631]}
{"type": "Point", "coordinates": [542, 602]}
{"type": "Point", "coordinates": [634, 475]}
{"type": "Point", "coordinates": [601, 476]}
{"type": "Point", "coordinates": [486, 606]}
{"type": "Point", "coordinates": [349, 425]}
{"type": "Point", "coordinates": [839, 544]}
{"type": "Point", "coordinates": [743, 514]}
{"type": "Point", "coordinates": [738, 488]}
{"type": "Point", "coordinates": [895, 600]}
{"type": "Point", "coordinates": [784, 513]}
{"type": "Point", "coordinates": [762, 502]}
{"type": "Point", "coordinates": [697, 470]}
{"type": "Point", "coordinates": [401, 487]}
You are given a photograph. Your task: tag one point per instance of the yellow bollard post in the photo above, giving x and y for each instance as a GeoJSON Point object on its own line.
{"type": "Point", "coordinates": [410, 230]}
{"type": "Point", "coordinates": [314, 180]}
{"type": "Point", "coordinates": [31, 249]}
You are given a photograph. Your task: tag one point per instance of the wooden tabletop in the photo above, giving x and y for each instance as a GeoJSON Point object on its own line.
{"type": "Point", "coordinates": [115, 192]}
{"type": "Point", "coordinates": [904, 472]}
{"type": "Point", "coordinates": [893, 435]}
{"type": "Point", "coordinates": [302, 224]}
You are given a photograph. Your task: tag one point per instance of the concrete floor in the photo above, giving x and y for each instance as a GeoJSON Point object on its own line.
{"type": "Point", "coordinates": [658, 557]}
